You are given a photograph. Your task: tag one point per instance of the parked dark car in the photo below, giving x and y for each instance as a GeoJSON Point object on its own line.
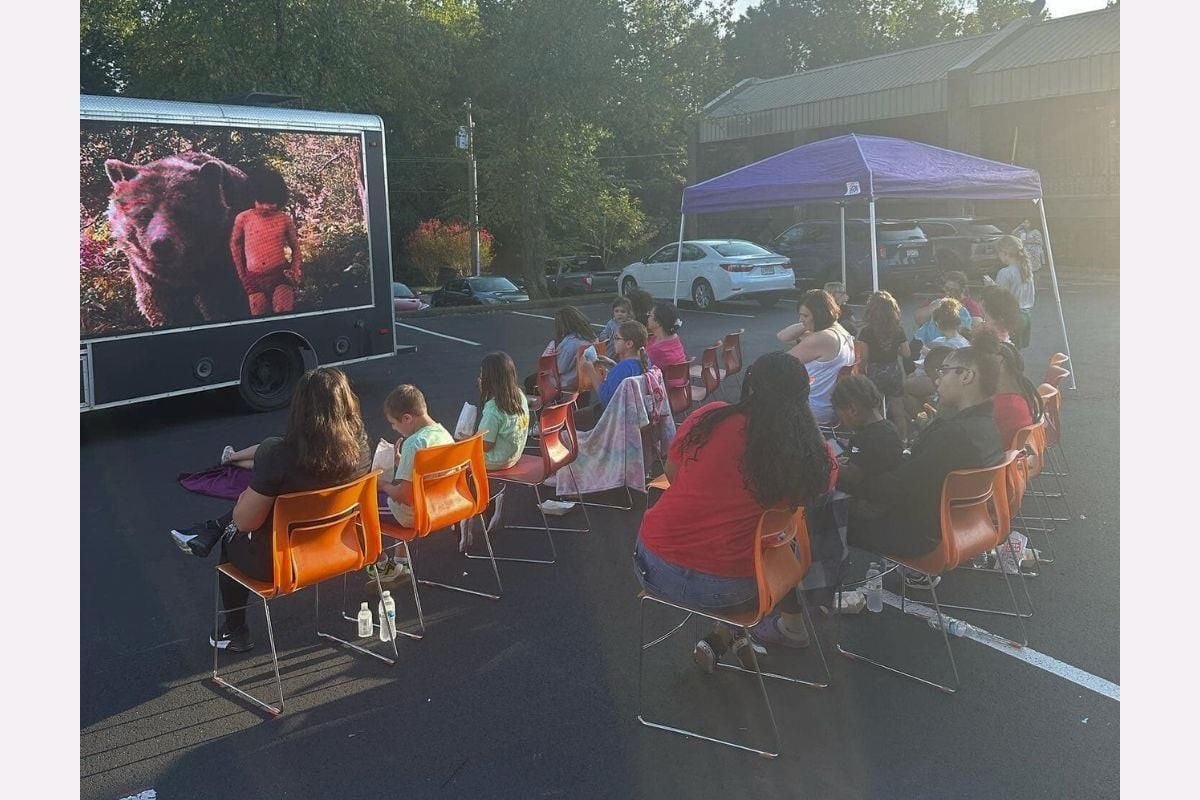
{"type": "Point", "coordinates": [480, 291]}
{"type": "Point", "coordinates": [964, 244]}
{"type": "Point", "coordinates": [906, 258]}
{"type": "Point", "coordinates": [404, 300]}
{"type": "Point", "coordinates": [579, 275]}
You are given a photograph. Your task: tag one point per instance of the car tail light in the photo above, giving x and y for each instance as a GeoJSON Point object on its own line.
{"type": "Point", "coordinates": [587, 281]}
{"type": "Point", "coordinates": [786, 265]}
{"type": "Point", "coordinates": [737, 267]}
{"type": "Point", "coordinates": [883, 251]}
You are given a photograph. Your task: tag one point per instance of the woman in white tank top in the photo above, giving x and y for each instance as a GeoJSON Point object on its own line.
{"type": "Point", "coordinates": [823, 346]}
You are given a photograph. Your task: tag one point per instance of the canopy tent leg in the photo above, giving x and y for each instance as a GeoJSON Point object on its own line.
{"type": "Point", "coordinates": [874, 250]}
{"type": "Point", "coordinates": [842, 210]}
{"type": "Point", "coordinates": [1041, 206]}
{"type": "Point", "coordinates": [678, 258]}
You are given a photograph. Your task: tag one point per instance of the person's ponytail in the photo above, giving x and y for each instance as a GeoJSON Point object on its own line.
{"type": "Point", "coordinates": [644, 360]}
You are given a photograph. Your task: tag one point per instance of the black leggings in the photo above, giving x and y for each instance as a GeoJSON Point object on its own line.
{"type": "Point", "coordinates": [876, 530]}
{"type": "Point", "coordinates": [251, 553]}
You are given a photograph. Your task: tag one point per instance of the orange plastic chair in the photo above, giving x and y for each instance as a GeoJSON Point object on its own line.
{"type": "Point", "coordinates": [781, 560]}
{"type": "Point", "coordinates": [559, 449]}
{"type": "Point", "coordinates": [731, 350]}
{"type": "Point", "coordinates": [584, 384]}
{"type": "Point", "coordinates": [549, 382]}
{"type": "Point", "coordinates": [1057, 466]}
{"type": "Point", "coordinates": [975, 518]}
{"type": "Point", "coordinates": [1055, 374]}
{"type": "Point", "coordinates": [679, 397]}
{"type": "Point", "coordinates": [450, 488]}
{"type": "Point", "coordinates": [1059, 359]}
{"type": "Point", "coordinates": [710, 374]}
{"type": "Point", "coordinates": [315, 536]}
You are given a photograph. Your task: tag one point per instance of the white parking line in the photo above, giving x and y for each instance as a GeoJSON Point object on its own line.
{"type": "Point", "coordinates": [543, 316]}
{"type": "Point", "coordinates": [1027, 654]}
{"type": "Point", "coordinates": [435, 333]}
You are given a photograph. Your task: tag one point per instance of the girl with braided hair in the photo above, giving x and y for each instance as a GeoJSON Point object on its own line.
{"type": "Point", "coordinates": [727, 465]}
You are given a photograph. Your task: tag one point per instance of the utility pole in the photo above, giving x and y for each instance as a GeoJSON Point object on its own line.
{"type": "Point", "coordinates": [473, 188]}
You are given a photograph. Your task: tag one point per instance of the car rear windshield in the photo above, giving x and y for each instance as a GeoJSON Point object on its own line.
{"type": "Point", "coordinates": [985, 230]}
{"type": "Point", "coordinates": [741, 249]}
{"type": "Point", "coordinates": [400, 290]}
{"type": "Point", "coordinates": [493, 285]}
{"type": "Point", "coordinates": [893, 232]}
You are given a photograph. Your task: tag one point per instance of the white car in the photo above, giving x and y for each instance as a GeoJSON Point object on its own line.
{"type": "Point", "coordinates": [712, 270]}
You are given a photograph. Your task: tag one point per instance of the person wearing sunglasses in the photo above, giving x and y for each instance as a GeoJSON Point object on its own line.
{"type": "Point", "coordinates": [897, 512]}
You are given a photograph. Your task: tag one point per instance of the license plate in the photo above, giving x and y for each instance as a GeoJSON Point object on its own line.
{"type": "Point", "coordinates": [912, 255]}
{"type": "Point", "coordinates": [768, 270]}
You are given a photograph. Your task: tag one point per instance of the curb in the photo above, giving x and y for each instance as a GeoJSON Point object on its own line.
{"type": "Point", "coordinates": [552, 302]}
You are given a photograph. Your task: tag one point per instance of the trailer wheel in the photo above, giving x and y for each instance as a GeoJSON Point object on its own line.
{"type": "Point", "coordinates": [270, 372]}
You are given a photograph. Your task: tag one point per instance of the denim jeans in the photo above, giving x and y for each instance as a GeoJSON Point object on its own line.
{"type": "Point", "coordinates": [690, 587]}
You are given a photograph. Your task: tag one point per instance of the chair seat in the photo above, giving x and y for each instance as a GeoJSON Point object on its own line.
{"type": "Point", "coordinates": [389, 527]}
{"type": "Point", "coordinates": [265, 589]}
{"type": "Point", "coordinates": [697, 370]}
{"type": "Point", "coordinates": [699, 393]}
{"type": "Point", "coordinates": [529, 470]}
{"type": "Point", "coordinates": [744, 619]}
{"type": "Point", "coordinates": [661, 483]}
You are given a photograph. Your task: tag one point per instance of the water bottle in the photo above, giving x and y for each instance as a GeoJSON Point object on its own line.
{"type": "Point", "coordinates": [874, 589]}
{"type": "Point", "coordinates": [366, 624]}
{"type": "Point", "coordinates": [954, 627]}
{"type": "Point", "coordinates": [387, 617]}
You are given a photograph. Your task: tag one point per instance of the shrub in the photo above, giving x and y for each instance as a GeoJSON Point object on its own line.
{"type": "Point", "coordinates": [436, 244]}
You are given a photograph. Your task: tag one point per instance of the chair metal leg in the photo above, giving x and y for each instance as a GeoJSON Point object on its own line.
{"type": "Point", "coordinates": [491, 556]}
{"type": "Point", "coordinates": [1016, 612]}
{"type": "Point", "coordinates": [773, 753]}
{"type": "Point", "coordinates": [945, 637]}
{"type": "Point", "coordinates": [217, 679]}
{"type": "Point", "coordinates": [816, 639]}
{"type": "Point", "coordinates": [545, 527]}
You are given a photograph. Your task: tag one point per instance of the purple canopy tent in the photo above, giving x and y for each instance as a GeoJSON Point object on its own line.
{"type": "Point", "coordinates": [856, 168]}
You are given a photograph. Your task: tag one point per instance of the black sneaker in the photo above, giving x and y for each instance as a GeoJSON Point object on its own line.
{"type": "Point", "coordinates": [745, 649]}
{"type": "Point", "coordinates": [712, 647]}
{"type": "Point", "coordinates": [198, 540]}
{"type": "Point", "coordinates": [236, 641]}
{"type": "Point", "coordinates": [919, 580]}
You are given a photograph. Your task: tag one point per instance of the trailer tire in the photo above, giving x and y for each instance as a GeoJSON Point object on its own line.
{"type": "Point", "coordinates": [270, 371]}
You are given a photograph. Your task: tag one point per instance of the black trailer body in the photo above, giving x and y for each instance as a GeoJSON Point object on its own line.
{"type": "Point", "coordinates": [170, 197]}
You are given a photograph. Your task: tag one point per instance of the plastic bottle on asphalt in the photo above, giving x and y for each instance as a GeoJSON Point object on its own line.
{"type": "Point", "coordinates": [954, 627]}
{"type": "Point", "coordinates": [874, 589]}
{"type": "Point", "coordinates": [387, 617]}
{"type": "Point", "coordinates": [366, 623]}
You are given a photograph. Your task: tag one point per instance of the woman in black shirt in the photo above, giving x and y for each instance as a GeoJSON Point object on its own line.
{"type": "Point", "coordinates": [325, 445]}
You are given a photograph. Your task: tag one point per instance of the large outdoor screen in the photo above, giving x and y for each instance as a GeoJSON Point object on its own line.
{"type": "Point", "coordinates": [182, 226]}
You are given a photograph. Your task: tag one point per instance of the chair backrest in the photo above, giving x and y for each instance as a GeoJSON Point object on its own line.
{"type": "Point", "coordinates": [859, 367]}
{"type": "Point", "coordinates": [559, 439]}
{"type": "Point", "coordinates": [1016, 480]}
{"type": "Point", "coordinates": [710, 373]}
{"type": "Point", "coordinates": [1054, 374]}
{"type": "Point", "coordinates": [731, 349]}
{"type": "Point", "coordinates": [778, 567]}
{"type": "Point", "coordinates": [1030, 443]}
{"type": "Point", "coordinates": [324, 533]}
{"type": "Point", "coordinates": [584, 384]}
{"type": "Point", "coordinates": [974, 511]}
{"type": "Point", "coordinates": [1051, 413]}
{"type": "Point", "coordinates": [680, 396]}
{"type": "Point", "coordinates": [449, 484]}
{"type": "Point", "coordinates": [1058, 359]}
{"type": "Point", "coordinates": [549, 383]}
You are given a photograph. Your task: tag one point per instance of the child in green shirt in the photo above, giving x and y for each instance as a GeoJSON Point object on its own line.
{"type": "Point", "coordinates": [504, 419]}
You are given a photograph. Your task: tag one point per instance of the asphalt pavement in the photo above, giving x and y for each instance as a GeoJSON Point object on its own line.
{"type": "Point", "coordinates": [536, 695]}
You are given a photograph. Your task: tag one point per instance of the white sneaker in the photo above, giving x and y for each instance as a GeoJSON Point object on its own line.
{"type": "Point", "coordinates": [227, 454]}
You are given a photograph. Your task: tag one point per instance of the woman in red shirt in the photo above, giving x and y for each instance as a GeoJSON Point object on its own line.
{"type": "Point", "coordinates": [1016, 403]}
{"type": "Point", "coordinates": [727, 465]}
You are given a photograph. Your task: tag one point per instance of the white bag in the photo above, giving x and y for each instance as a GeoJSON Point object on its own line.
{"type": "Point", "coordinates": [1010, 562]}
{"type": "Point", "coordinates": [466, 421]}
{"type": "Point", "coordinates": [385, 459]}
